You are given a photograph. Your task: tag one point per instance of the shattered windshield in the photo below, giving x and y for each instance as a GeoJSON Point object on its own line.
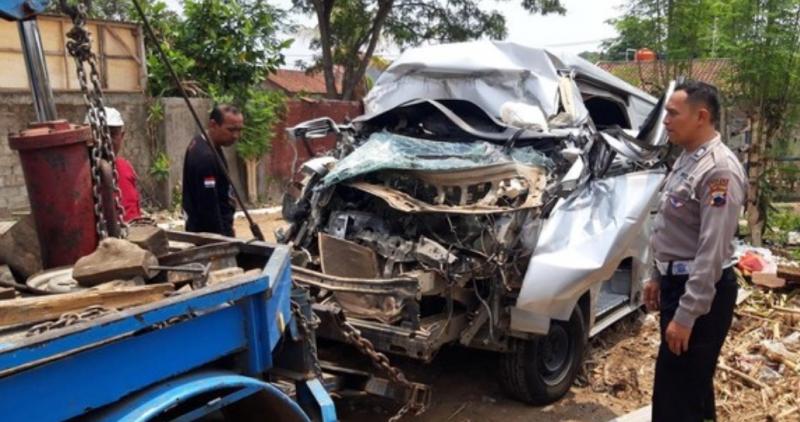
{"type": "Point", "coordinates": [388, 151]}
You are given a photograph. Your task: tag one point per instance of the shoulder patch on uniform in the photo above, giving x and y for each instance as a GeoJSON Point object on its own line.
{"type": "Point", "coordinates": [700, 151]}
{"type": "Point", "coordinates": [718, 191]}
{"type": "Point", "coordinates": [210, 182]}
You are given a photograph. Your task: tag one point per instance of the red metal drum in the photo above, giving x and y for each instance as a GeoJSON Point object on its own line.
{"type": "Point", "coordinates": [55, 162]}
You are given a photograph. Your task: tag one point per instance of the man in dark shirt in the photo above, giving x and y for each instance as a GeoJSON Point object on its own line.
{"type": "Point", "coordinates": [207, 196]}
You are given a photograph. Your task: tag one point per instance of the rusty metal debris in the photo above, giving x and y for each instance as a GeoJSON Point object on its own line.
{"type": "Point", "coordinates": [418, 396]}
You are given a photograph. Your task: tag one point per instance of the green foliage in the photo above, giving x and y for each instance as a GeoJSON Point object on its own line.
{"type": "Point", "coordinates": [762, 40]}
{"type": "Point", "coordinates": [263, 110]}
{"type": "Point", "coordinates": [155, 112]}
{"type": "Point", "coordinates": [765, 86]}
{"type": "Point", "coordinates": [678, 30]}
{"type": "Point", "coordinates": [780, 222]}
{"type": "Point", "coordinates": [99, 9]}
{"type": "Point", "coordinates": [352, 28]}
{"type": "Point", "coordinates": [411, 23]}
{"type": "Point", "coordinates": [233, 42]}
{"type": "Point", "coordinates": [592, 56]}
{"type": "Point", "coordinates": [177, 196]}
{"type": "Point", "coordinates": [160, 167]}
{"type": "Point", "coordinates": [223, 46]}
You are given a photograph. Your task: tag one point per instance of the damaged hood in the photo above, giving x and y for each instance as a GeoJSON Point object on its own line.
{"type": "Point", "coordinates": [490, 74]}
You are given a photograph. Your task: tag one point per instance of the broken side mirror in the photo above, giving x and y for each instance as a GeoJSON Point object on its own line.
{"type": "Point", "coordinates": [313, 129]}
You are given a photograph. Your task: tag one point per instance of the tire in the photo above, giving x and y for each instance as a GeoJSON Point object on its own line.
{"type": "Point", "coordinates": [541, 371]}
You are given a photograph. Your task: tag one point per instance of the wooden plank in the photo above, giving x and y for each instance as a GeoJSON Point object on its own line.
{"type": "Point", "coordinates": [117, 45]}
{"type": "Point", "coordinates": [143, 55]}
{"type": "Point", "coordinates": [14, 74]}
{"type": "Point", "coordinates": [57, 70]}
{"type": "Point", "coordinates": [111, 40]}
{"type": "Point", "coordinates": [63, 33]}
{"type": "Point", "coordinates": [35, 309]}
{"type": "Point", "coordinates": [123, 75]}
{"type": "Point", "coordinates": [51, 38]}
{"type": "Point", "coordinates": [9, 34]}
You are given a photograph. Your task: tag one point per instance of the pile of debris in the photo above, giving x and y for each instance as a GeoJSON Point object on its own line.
{"type": "Point", "coordinates": [758, 373]}
{"type": "Point", "coordinates": [760, 363]}
{"type": "Point", "coordinates": [147, 267]}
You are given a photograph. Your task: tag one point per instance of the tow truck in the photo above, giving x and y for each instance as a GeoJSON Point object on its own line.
{"type": "Point", "coordinates": [236, 350]}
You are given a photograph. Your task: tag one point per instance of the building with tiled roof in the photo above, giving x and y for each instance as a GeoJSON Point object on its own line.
{"type": "Point", "coordinates": [300, 82]}
{"type": "Point", "coordinates": [652, 76]}
{"type": "Point", "coordinates": [307, 84]}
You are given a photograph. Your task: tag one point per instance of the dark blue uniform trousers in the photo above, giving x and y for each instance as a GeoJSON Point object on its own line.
{"type": "Point", "coordinates": [684, 385]}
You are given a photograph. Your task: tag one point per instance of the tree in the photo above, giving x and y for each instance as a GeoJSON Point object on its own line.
{"type": "Point", "coordinates": [762, 40]}
{"type": "Point", "coordinates": [592, 56]}
{"type": "Point", "coordinates": [766, 86]}
{"type": "Point", "coordinates": [100, 9]}
{"type": "Point", "coordinates": [679, 31]}
{"type": "Point", "coordinates": [263, 111]}
{"type": "Point", "coordinates": [349, 30]}
{"type": "Point", "coordinates": [233, 43]}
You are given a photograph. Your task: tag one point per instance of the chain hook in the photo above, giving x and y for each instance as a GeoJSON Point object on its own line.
{"type": "Point", "coordinates": [80, 48]}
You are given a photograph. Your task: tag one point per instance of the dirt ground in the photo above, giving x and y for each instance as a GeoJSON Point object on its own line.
{"type": "Point", "coordinates": [465, 388]}
{"type": "Point", "coordinates": [267, 222]}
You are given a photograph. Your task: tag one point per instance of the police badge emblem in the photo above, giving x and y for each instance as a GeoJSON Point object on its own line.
{"type": "Point", "coordinates": [718, 192]}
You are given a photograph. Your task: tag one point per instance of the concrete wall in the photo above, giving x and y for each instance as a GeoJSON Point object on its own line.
{"type": "Point", "coordinates": [16, 111]}
{"type": "Point", "coordinates": [177, 130]}
{"type": "Point", "coordinates": [172, 135]}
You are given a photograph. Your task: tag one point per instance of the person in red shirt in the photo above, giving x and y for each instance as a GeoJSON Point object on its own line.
{"type": "Point", "coordinates": [127, 175]}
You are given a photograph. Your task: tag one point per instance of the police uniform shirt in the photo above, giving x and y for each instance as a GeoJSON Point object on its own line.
{"type": "Point", "coordinates": [697, 222]}
{"type": "Point", "coordinates": [207, 197]}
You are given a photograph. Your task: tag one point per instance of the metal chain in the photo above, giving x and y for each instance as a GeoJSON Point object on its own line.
{"type": "Point", "coordinates": [69, 318]}
{"type": "Point", "coordinates": [419, 394]}
{"type": "Point", "coordinates": [309, 329]}
{"type": "Point", "coordinates": [80, 48]}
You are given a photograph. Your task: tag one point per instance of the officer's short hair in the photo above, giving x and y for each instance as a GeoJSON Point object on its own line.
{"type": "Point", "coordinates": [702, 93]}
{"type": "Point", "coordinates": [219, 111]}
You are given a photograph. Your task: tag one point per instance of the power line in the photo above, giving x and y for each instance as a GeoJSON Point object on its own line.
{"type": "Point", "coordinates": [569, 44]}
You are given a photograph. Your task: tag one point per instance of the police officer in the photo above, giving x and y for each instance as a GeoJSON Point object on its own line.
{"type": "Point", "coordinates": [207, 195]}
{"type": "Point", "coordinates": [693, 283]}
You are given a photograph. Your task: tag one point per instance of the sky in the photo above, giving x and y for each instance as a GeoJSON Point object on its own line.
{"type": "Point", "coordinates": [582, 28]}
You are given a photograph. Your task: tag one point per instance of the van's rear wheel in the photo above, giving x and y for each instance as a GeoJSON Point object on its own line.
{"type": "Point", "coordinates": [541, 371]}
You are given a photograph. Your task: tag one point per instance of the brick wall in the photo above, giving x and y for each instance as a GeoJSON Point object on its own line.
{"type": "Point", "coordinates": [279, 161]}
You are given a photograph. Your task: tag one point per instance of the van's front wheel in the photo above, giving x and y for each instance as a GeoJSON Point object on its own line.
{"type": "Point", "coordinates": [541, 371]}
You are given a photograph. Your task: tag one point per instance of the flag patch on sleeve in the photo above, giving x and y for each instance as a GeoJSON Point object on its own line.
{"type": "Point", "coordinates": [210, 182]}
{"type": "Point", "coordinates": [718, 192]}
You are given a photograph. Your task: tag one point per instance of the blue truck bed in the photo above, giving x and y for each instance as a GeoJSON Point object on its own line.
{"type": "Point", "coordinates": [140, 362]}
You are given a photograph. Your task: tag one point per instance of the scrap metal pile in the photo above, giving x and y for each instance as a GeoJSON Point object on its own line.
{"type": "Point", "coordinates": [147, 267]}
